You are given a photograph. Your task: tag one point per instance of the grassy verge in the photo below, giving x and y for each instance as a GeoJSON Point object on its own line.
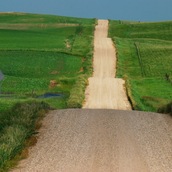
{"type": "Point", "coordinates": [16, 126]}
{"type": "Point", "coordinates": [144, 59]}
{"type": "Point", "coordinates": [77, 94]}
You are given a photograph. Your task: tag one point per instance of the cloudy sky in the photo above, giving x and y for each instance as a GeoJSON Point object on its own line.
{"type": "Point", "coordinates": [142, 10]}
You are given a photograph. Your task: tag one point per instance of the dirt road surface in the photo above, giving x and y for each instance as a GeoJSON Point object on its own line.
{"type": "Point", "coordinates": [102, 141]}
{"type": "Point", "coordinates": [104, 90]}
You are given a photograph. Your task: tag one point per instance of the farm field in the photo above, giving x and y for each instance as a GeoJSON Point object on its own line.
{"type": "Point", "coordinates": [36, 49]}
{"type": "Point", "coordinates": [144, 53]}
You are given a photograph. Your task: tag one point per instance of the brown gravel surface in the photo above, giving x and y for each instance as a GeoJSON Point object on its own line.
{"type": "Point", "coordinates": [104, 90]}
{"type": "Point", "coordinates": [102, 141]}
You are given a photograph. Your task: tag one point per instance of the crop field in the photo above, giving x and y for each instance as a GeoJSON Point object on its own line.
{"type": "Point", "coordinates": [45, 32]}
{"type": "Point", "coordinates": [36, 49]}
{"type": "Point", "coordinates": [144, 53]}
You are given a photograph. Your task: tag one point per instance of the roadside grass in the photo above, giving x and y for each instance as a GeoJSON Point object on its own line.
{"type": "Point", "coordinates": [144, 60]}
{"type": "Point", "coordinates": [16, 126]}
{"type": "Point", "coordinates": [39, 54]}
{"type": "Point", "coordinates": [76, 100]}
{"type": "Point", "coordinates": [150, 94]}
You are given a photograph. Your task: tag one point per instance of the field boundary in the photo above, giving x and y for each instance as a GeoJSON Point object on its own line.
{"type": "Point", "coordinates": [139, 58]}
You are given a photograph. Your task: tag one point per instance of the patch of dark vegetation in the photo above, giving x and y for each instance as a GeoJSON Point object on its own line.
{"type": "Point", "coordinates": [17, 125]}
{"type": "Point", "coordinates": [167, 109]}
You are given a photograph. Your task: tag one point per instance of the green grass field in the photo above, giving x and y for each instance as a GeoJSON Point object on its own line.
{"type": "Point", "coordinates": [36, 51]}
{"type": "Point", "coordinates": [144, 53]}
{"type": "Point", "coordinates": [19, 31]}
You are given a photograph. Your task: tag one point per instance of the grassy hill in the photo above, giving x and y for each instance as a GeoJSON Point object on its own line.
{"type": "Point", "coordinates": [39, 54]}
{"type": "Point", "coordinates": [144, 53]}
{"type": "Point", "coordinates": [36, 49]}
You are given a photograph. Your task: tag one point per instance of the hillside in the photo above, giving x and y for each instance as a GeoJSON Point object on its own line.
{"type": "Point", "coordinates": [40, 49]}
{"type": "Point", "coordinates": [46, 61]}
{"type": "Point", "coordinates": [144, 53]}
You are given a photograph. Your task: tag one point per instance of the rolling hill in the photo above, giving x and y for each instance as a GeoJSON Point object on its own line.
{"type": "Point", "coordinates": [36, 50]}
{"type": "Point", "coordinates": [46, 56]}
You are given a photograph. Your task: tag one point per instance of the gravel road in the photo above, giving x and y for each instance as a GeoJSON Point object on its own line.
{"type": "Point", "coordinates": [104, 90]}
{"type": "Point", "coordinates": [102, 141]}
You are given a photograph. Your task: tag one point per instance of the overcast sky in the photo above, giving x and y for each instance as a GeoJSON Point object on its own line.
{"type": "Point", "coordinates": [142, 10]}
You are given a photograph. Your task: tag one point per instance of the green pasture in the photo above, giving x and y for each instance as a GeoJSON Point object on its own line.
{"type": "Point", "coordinates": [144, 53]}
{"type": "Point", "coordinates": [152, 30]}
{"type": "Point", "coordinates": [30, 72]}
{"type": "Point", "coordinates": [36, 49]}
{"type": "Point", "coordinates": [20, 31]}
{"type": "Point", "coordinates": [39, 64]}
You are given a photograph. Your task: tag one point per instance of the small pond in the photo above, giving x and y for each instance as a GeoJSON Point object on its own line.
{"type": "Point", "coordinates": [50, 95]}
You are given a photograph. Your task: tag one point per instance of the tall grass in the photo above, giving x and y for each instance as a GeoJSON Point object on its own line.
{"type": "Point", "coordinates": [77, 94]}
{"type": "Point", "coordinates": [16, 126]}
